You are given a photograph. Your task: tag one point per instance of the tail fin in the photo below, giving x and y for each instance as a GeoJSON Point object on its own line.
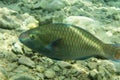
{"type": "Point", "coordinates": [110, 50]}
{"type": "Point", "coordinates": [117, 51]}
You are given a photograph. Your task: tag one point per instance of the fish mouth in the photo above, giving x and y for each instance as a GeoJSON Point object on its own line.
{"type": "Point", "coordinates": [23, 37]}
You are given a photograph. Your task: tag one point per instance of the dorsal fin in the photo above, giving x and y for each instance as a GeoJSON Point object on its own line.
{"type": "Point", "coordinates": [48, 21]}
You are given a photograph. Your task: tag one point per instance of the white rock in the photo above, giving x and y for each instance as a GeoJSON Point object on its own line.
{"type": "Point", "coordinates": [81, 21]}
{"type": "Point", "coordinates": [28, 22]}
{"type": "Point", "coordinates": [109, 33]}
{"type": "Point", "coordinates": [17, 48]}
{"type": "Point", "coordinates": [40, 68]}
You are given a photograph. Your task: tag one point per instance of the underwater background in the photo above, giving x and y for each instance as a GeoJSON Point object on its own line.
{"type": "Point", "coordinates": [17, 62]}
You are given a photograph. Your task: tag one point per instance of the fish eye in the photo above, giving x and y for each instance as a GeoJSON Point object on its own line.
{"type": "Point", "coordinates": [32, 37]}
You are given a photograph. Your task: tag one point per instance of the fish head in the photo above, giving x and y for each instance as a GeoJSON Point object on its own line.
{"type": "Point", "coordinates": [32, 39]}
{"type": "Point", "coordinates": [39, 41]}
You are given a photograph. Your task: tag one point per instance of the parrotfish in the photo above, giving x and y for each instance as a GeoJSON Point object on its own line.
{"type": "Point", "coordinates": [67, 42]}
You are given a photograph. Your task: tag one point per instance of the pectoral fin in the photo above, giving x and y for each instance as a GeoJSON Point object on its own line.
{"type": "Point", "coordinates": [53, 45]}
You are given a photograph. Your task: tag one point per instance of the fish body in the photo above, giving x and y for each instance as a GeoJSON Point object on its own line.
{"type": "Point", "coordinates": [66, 42]}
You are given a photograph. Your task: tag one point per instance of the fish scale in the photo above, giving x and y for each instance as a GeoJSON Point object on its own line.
{"type": "Point", "coordinates": [66, 41]}
{"type": "Point", "coordinates": [84, 40]}
{"type": "Point", "coordinates": [74, 30]}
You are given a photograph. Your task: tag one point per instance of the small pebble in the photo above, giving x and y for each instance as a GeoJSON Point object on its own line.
{"type": "Point", "coordinates": [49, 73]}
{"type": "Point", "coordinates": [21, 69]}
{"type": "Point", "coordinates": [56, 68]}
{"type": "Point", "coordinates": [40, 68]}
{"type": "Point", "coordinates": [16, 48]}
{"type": "Point", "coordinates": [93, 73]}
{"type": "Point", "coordinates": [92, 65]}
{"type": "Point", "coordinates": [40, 76]}
{"type": "Point", "coordinates": [63, 64]}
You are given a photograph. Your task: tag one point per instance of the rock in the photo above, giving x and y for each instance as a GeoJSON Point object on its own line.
{"type": "Point", "coordinates": [63, 64]}
{"type": "Point", "coordinates": [113, 33]}
{"type": "Point", "coordinates": [40, 76]}
{"type": "Point", "coordinates": [105, 71]}
{"type": "Point", "coordinates": [21, 72]}
{"type": "Point", "coordinates": [80, 21]}
{"type": "Point", "coordinates": [27, 1]}
{"type": "Point", "coordinates": [117, 78]}
{"type": "Point", "coordinates": [3, 74]}
{"type": "Point", "coordinates": [6, 40]}
{"type": "Point", "coordinates": [49, 73]}
{"type": "Point", "coordinates": [61, 77]}
{"type": "Point", "coordinates": [11, 66]}
{"type": "Point", "coordinates": [21, 69]}
{"type": "Point", "coordinates": [67, 79]}
{"type": "Point", "coordinates": [28, 4]}
{"type": "Point", "coordinates": [22, 77]}
{"type": "Point", "coordinates": [56, 68]}
{"type": "Point", "coordinates": [17, 48]}
{"type": "Point", "coordinates": [107, 65]}
{"type": "Point", "coordinates": [26, 61]}
{"type": "Point", "coordinates": [81, 66]}
{"type": "Point", "coordinates": [10, 56]}
{"type": "Point", "coordinates": [28, 22]}
{"type": "Point", "coordinates": [93, 73]}
{"type": "Point", "coordinates": [37, 5]}
{"type": "Point", "coordinates": [27, 51]}
{"type": "Point", "coordinates": [40, 68]}
{"type": "Point", "coordinates": [10, 19]}
{"type": "Point", "coordinates": [9, 2]}
{"type": "Point", "coordinates": [52, 4]}
{"type": "Point", "coordinates": [92, 65]}
{"type": "Point", "coordinates": [7, 19]}
{"type": "Point", "coordinates": [71, 2]}
{"type": "Point", "coordinates": [47, 61]}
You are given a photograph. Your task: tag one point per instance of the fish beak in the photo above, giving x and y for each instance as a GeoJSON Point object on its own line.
{"type": "Point", "coordinates": [23, 37]}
